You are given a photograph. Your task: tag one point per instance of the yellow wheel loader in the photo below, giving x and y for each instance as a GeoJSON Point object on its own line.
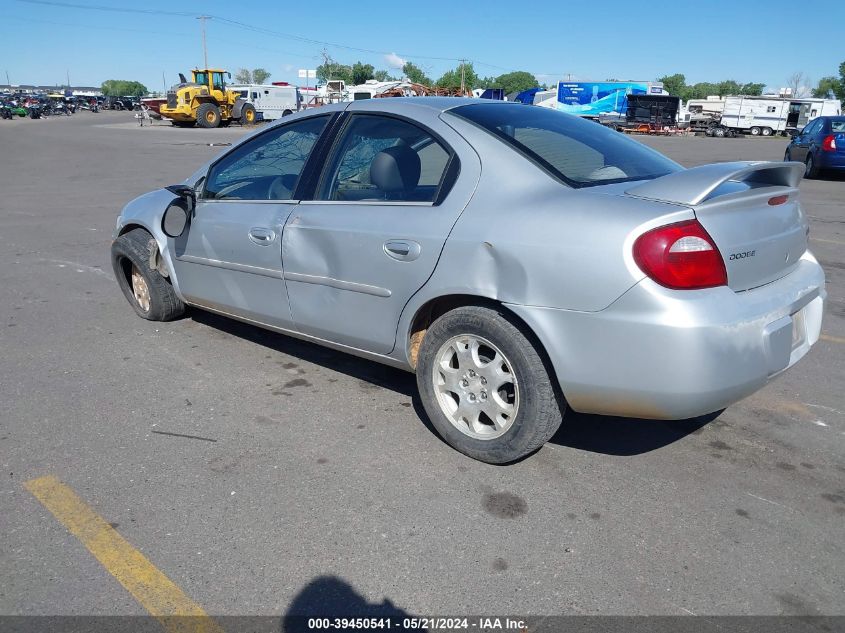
{"type": "Point", "coordinates": [206, 102]}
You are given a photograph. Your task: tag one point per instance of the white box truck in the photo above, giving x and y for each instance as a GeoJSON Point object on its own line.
{"type": "Point", "coordinates": [271, 101]}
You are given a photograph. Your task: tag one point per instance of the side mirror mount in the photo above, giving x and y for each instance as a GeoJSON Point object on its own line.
{"type": "Point", "coordinates": [177, 216]}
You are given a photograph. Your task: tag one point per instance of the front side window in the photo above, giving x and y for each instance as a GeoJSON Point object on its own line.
{"type": "Point", "coordinates": [578, 152]}
{"type": "Point", "coordinates": [217, 78]}
{"type": "Point", "coordinates": [381, 158]}
{"type": "Point", "coordinates": [267, 167]}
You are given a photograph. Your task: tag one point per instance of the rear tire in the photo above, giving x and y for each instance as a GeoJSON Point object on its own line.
{"type": "Point", "coordinates": [767, 131]}
{"type": "Point", "coordinates": [811, 170]}
{"type": "Point", "coordinates": [150, 295]}
{"type": "Point", "coordinates": [719, 132]}
{"type": "Point", "coordinates": [755, 131]}
{"type": "Point", "coordinates": [208, 115]}
{"type": "Point", "coordinates": [454, 380]}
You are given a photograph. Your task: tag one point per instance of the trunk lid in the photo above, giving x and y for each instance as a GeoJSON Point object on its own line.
{"type": "Point", "coordinates": [751, 211]}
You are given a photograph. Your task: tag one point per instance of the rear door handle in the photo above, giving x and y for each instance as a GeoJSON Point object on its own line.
{"type": "Point", "coordinates": [403, 250]}
{"type": "Point", "coordinates": [262, 236]}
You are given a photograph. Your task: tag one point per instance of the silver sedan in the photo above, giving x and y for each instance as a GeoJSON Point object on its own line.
{"type": "Point", "coordinates": [519, 260]}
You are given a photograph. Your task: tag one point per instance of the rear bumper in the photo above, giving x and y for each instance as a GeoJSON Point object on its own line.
{"type": "Point", "coordinates": [662, 354]}
{"type": "Point", "coordinates": [831, 160]}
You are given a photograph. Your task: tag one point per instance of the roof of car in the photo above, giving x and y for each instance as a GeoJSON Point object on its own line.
{"type": "Point", "coordinates": [439, 104]}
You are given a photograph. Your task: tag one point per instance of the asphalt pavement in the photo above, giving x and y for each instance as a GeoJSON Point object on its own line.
{"type": "Point", "coordinates": [261, 474]}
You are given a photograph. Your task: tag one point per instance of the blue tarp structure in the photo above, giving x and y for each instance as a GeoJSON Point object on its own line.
{"type": "Point", "coordinates": [498, 94]}
{"type": "Point", "coordinates": [527, 96]}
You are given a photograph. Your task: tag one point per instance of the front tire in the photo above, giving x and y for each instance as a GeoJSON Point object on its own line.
{"type": "Point", "coordinates": [787, 157]}
{"type": "Point", "coordinates": [485, 387]}
{"type": "Point", "coordinates": [248, 114]}
{"type": "Point", "coordinates": [755, 131]}
{"type": "Point", "coordinates": [208, 115]}
{"type": "Point", "coordinates": [150, 295]}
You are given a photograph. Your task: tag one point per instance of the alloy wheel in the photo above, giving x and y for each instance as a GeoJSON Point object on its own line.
{"type": "Point", "coordinates": [140, 290]}
{"type": "Point", "coordinates": [476, 387]}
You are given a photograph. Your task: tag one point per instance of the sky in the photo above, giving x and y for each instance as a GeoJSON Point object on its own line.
{"type": "Point", "coordinates": [44, 42]}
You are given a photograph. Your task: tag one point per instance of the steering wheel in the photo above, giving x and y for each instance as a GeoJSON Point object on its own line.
{"type": "Point", "coordinates": [281, 187]}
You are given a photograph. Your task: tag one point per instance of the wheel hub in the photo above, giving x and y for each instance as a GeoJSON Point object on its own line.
{"type": "Point", "coordinates": [140, 290]}
{"type": "Point", "coordinates": [476, 387]}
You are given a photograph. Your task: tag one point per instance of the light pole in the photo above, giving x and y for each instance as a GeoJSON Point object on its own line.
{"type": "Point", "coordinates": [202, 19]}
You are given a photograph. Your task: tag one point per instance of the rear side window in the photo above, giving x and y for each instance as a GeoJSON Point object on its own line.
{"type": "Point", "coordinates": [837, 126]}
{"type": "Point", "coordinates": [578, 152]}
{"type": "Point", "coordinates": [382, 158]}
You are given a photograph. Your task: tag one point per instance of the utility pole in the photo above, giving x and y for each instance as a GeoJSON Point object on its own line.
{"type": "Point", "coordinates": [68, 78]}
{"type": "Point", "coordinates": [463, 90]}
{"type": "Point", "coordinates": [8, 83]}
{"type": "Point", "coordinates": [202, 19]}
{"type": "Point", "coordinates": [163, 84]}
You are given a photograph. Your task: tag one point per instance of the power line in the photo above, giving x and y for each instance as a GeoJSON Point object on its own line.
{"type": "Point", "coordinates": [252, 28]}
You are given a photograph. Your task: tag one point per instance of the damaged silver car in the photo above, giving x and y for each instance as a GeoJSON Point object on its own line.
{"type": "Point", "coordinates": [519, 260]}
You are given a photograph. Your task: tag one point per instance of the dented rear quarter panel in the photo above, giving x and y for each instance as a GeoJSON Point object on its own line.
{"type": "Point", "coordinates": [527, 239]}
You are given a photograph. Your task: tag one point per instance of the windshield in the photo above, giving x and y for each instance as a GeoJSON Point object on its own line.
{"type": "Point", "coordinates": [201, 79]}
{"type": "Point", "coordinates": [578, 152]}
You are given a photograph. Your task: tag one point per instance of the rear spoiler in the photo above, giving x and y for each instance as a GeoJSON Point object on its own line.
{"type": "Point", "coordinates": [693, 186]}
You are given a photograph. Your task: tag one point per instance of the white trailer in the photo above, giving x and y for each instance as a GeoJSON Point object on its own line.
{"type": "Point", "coordinates": [271, 101]}
{"type": "Point", "coordinates": [802, 111]}
{"type": "Point", "coordinates": [758, 116]}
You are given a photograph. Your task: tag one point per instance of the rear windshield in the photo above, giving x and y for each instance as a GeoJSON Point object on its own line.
{"type": "Point", "coordinates": [579, 152]}
{"type": "Point", "coordinates": [837, 126]}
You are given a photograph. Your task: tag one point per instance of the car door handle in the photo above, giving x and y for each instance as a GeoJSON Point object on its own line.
{"type": "Point", "coordinates": [262, 236]}
{"type": "Point", "coordinates": [403, 250]}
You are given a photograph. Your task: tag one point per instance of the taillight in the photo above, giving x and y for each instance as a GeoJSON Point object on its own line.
{"type": "Point", "coordinates": [680, 256]}
{"type": "Point", "coordinates": [829, 143]}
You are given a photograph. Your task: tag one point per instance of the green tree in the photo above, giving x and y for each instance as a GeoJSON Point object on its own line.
{"type": "Point", "coordinates": [383, 75]}
{"type": "Point", "coordinates": [362, 72]}
{"type": "Point", "coordinates": [826, 86]}
{"type": "Point", "coordinates": [415, 74]}
{"type": "Point", "coordinates": [675, 85]}
{"type": "Point", "coordinates": [516, 81]}
{"type": "Point", "coordinates": [728, 87]}
{"type": "Point", "coordinates": [246, 76]}
{"type": "Point", "coordinates": [701, 90]}
{"type": "Point", "coordinates": [123, 88]}
{"type": "Point", "coordinates": [451, 79]}
{"type": "Point", "coordinates": [330, 69]}
{"type": "Point", "coordinates": [752, 89]}
{"type": "Point", "coordinates": [260, 76]}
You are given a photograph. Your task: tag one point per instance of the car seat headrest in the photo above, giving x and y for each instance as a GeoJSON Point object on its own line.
{"type": "Point", "coordinates": [396, 169]}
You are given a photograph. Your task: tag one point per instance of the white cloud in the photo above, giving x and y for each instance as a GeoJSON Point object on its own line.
{"type": "Point", "coordinates": [394, 61]}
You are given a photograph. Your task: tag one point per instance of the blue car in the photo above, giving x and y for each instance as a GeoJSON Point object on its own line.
{"type": "Point", "coordinates": [820, 145]}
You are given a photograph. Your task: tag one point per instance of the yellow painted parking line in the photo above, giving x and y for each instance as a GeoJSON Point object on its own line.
{"type": "Point", "coordinates": [155, 591]}
{"type": "Point", "coordinates": [832, 339]}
